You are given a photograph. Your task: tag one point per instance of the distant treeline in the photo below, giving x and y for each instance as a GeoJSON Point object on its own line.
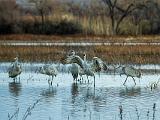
{"type": "Point", "coordinates": [99, 17]}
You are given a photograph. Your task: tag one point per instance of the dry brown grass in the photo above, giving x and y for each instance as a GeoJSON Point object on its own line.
{"type": "Point", "coordinates": [111, 54]}
{"type": "Point", "coordinates": [80, 37]}
{"type": "Point", "coordinates": [130, 54]}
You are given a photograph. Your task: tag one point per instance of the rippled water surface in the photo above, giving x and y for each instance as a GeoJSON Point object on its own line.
{"type": "Point", "coordinates": [67, 100]}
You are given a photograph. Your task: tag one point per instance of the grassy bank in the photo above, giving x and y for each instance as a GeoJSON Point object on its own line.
{"type": "Point", "coordinates": [111, 54]}
{"type": "Point", "coordinates": [79, 37]}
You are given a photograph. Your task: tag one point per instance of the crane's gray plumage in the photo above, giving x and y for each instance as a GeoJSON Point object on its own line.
{"type": "Point", "coordinates": [74, 69]}
{"type": "Point", "coordinates": [75, 59]}
{"type": "Point", "coordinates": [88, 72]}
{"type": "Point", "coordinates": [15, 69]}
{"type": "Point", "coordinates": [48, 70]}
{"type": "Point", "coordinates": [130, 71]}
{"type": "Point", "coordinates": [85, 68]}
{"type": "Point", "coordinates": [98, 65]}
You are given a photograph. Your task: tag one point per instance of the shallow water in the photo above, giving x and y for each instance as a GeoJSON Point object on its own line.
{"type": "Point", "coordinates": [71, 43]}
{"type": "Point", "coordinates": [68, 100]}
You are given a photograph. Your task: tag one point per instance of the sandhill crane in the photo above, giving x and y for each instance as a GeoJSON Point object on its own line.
{"type": "Point", "coordinates": [130, 71]}
{"type": "Point", "coordinates": [15, 69]}
{"type": "Point", "coordinates": [86, 70]}
{"type": "Point", "coordinates": [98, 65]}
{"type": "Point", "coordinates": [75, 59]}
{"type": "Point", "coordinates": [48, 70]}
{"type": "Point", "coordinates": [74, 69]}
{"type": "Point", "coordinates": [78, 65]}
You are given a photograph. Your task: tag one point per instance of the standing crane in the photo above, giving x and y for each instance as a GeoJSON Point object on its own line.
{"type": "Point", "coordinates": [86, 69]}
{"type": "Point", "coordinates": [130, 71]}
{"type": "Point", "coordinates": [98, 65]}
{"type": "Point", "coordinates": [74, 69]}
{"type": "Point", "coordinates": [48, 70]}
{"type": "Point", "coordinates": [83, 65]}
{"type": "Point", "coordinates": [15, 69]}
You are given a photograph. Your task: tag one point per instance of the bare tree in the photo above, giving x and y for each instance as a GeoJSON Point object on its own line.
{"type": "Point", "coordinates": [118, 13]}
{"type": "Point", "coordinates": [152, 14]}
{"type": "Point", "coordinates": [44, 8]}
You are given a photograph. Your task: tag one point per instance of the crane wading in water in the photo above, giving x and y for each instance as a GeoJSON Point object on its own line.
{"type": "Point", "coordinates": [48, 70]}
{"type": "Point", "coordinates": [15, 69]}
{"type": "Point", "coordinates": [86, 69]}
{"type": "Point", "coordinates": [130, 71]}
{"type": "Point", "coordinates": [74, 69]}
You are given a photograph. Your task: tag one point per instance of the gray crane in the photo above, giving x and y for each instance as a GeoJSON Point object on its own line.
{"type": "Point", "coordinates": [130, 71]}
{"type": "Point", "coordinates": [98, 65]}
{"type": "Point", "coordinates": [15, 69]}
{"type": "Point", "coordinates": [74, 69]}
{"type": "Point", "coordinates": [87, 69]}
{"type": "Point", "coordinates": [49, 70]}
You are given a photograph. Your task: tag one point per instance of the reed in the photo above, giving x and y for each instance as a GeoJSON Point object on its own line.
{"type": "Point", "coordinates": [29, 110]}
{"type": "Point", "coordinates": [81, 37]}
{"type": "Point", "coordinates": [137, 113]}
{"type": "Point", "coordinates": [14, 115]}
{"type": "Point", "coordinates": [146, 54]}
{"type": "Point", "coordinates": [26, 114]}
{"type": "Point", "coordinates": [95, 25]}
{"type": "Point", "coordinates": [154, 111]}
{"type": "Point", "coordinates": [121, 112]}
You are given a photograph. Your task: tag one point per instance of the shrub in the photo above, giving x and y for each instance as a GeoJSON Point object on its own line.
{"type": "Point", "coordinates": [50, 27]}
{"type": "Point", "coordinates": [145, 27]}
{"type": "Point", "coordinates": [128, 28]}
{"type": "Point", "coordinates": [6, 28]}
{"type": "Point", "coordinates": [62, 27]}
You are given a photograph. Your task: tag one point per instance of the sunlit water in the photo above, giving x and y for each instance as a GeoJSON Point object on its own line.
{"type": "Point", "coordinates": [67, 100]}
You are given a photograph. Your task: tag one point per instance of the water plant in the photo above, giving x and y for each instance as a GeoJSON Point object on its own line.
{"type": "Point", "coordinates": [26, 114]}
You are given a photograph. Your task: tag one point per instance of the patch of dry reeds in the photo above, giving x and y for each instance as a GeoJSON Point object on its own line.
{"type": "Point", "coordinates": [79, 38]}
{"type": "Point", "coordinates": [111, 54]}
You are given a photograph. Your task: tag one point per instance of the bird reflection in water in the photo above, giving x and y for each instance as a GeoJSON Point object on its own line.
{"type": "Point", "coordinates": [49, 93]}
{"type": "Point", "coordinates": [74, 91]}
{"type": "Point", "coordinates": [15, 88]}
{"type": "Point", "coordinates": [131, 91]}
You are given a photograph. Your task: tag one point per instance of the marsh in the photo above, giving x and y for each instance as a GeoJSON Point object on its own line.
{"type": "Point", "coordinates": [69, 100]}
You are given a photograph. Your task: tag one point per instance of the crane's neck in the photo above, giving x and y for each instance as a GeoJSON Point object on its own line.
{"type": "Point", "coordinates": [84, 58]}
{"type": "Point", "coordinates": [73, 53]}
{"type": "Point", "coordinates": [16, 61]}
{"type": "Point", "coordinates": [85, 62]}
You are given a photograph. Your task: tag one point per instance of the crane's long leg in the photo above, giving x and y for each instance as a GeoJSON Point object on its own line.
{"type": "Point", "coordinates": [14, 80]}
{"type": "Point", "coordinates": [87, 78]}
{"type": "Point", "coordinates": [49, 81]}
{"type": "Point", "coordinates": [52, 80]}
{"type": "Point", "coordinates": [94, 82]}
{"type": "Point", "coordinates": [134, 80]}
{"type": "Point", "coordinates": [125, 80]}
{"type": "Point", "coordinates": [19, 78]}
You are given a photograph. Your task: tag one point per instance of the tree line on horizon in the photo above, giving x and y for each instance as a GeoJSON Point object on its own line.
{"type": "Point", "coordinates": [97, 17]}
